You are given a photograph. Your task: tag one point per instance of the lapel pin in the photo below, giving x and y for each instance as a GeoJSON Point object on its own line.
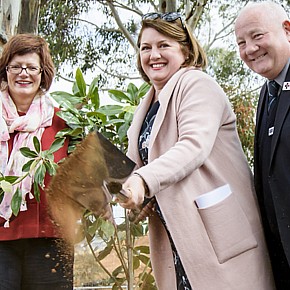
{"type": "Point", "coordinates": [271, 131]}
{"type": "Point", "coordinates": [286, 86]}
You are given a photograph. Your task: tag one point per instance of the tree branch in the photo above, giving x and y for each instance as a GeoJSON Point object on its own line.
{"type": "Point", "coordinates": [121, 26]}
{"type": "Point", "coordinates": [117, 75]}
{"type": "Point", "coordinates": [126, 7]}
{"type": "Point", "coordinates": [218, 36]}
{"type": "Point", "coordinates": [64, 78]}
{"type": "Point", "coordinates": [195, 12]}
{"type": "Point", "coordinates": [96, 26]}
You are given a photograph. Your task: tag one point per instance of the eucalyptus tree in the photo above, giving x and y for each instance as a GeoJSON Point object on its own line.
{"type": "Point", "coordinates": [100, 37]}
{"type": "Point", "coordinates": [18, 16]}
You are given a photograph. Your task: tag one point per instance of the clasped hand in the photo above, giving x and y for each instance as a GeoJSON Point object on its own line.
{"type": "Point", "coordinates": [134, 190]}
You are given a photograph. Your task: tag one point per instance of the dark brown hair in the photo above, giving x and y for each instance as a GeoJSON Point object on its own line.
{"type": "Point", "coordinates": [22, 44]}
{"type": "Point", "coordinates": [179, 32]}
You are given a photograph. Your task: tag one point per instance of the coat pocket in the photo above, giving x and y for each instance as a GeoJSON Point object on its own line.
{"type": "Point", "coordinates": [228, 228]}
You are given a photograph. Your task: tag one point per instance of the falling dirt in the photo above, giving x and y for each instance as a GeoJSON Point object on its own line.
{"type": "Point", "coordinates": [77, 187]}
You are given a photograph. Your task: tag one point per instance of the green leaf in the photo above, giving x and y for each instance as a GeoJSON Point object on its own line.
{"type": "Point", "coordinates": [72, 120]}
{"type": "Point", "coordinates": [66, 100]}
{"type": "Point", "coordinates": [103, 254]}
{"type": "Point", "coordinates": [110, 110]}
{"type": "Point", "coordinates": [11, 179]}
{"type": "Point", "coordinates": [122, 132]}
{"type": "Point", "coordinates": [16, 202]}
{"type": "Point", "coordinates": [118, 96]}
{"type": "Point", "coordinates": [36, 144]}
{"type": "Point", "coordinates": [6, 186]}
{"type": "Point", "coordinates": [108, 229]}
{"type": "Point", "coordinates": [39, 174]}
{"type": "Point", "coordinates": [76, 91]}
{"type": "Point", "coordinates": [27, 165]}
{"type": "Point", "coordinates": [137, 230]}
{"type": "Point", "coordinates": [148, 278]}
{"type": "Point", "coordinates": [132, 91]}
{"type": "Point", "coordinates": [1, 194]}
{"type": "Point", "coordinates": [81, 84]}
{"type": "Point", "coordinates": [57, 144]}
{"type": "Point", "coordinates": [129, 110]}
{"type": "Point", "coordinates": [69, 132]}
{"type": "Point", "coordinates": [49, 157]}
{"type": "Point", "coordinates": [117, 271]}
{"type": "Point", "coordinates": [142, 249]}
{"type": "Point", "coordinates": [115, 121]}
{"type": "Point", "coordinates": [50, 167]}
{"type": "Point", "coordinates": [28, 153]}
{"type": "Point", "coordinates": [94, 227]}
{"type": "Point", "coordinates": [136, 263]}
{"type": "Point", "coordinates": [143, 259]}
{"type": "Point", "coordinates": [144, 88]}
{"type": "Point", "coordinates": [93, 93]}
{"type": "Point", "coordinates": [96, 114]}
{"type": "Point", "coordinates": [89, 238]}
{"type": "Point", "coordinates": [36, 191]}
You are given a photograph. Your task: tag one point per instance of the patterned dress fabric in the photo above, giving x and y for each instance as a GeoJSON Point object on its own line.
{"type": "Point", "coordinates": [144, 137]}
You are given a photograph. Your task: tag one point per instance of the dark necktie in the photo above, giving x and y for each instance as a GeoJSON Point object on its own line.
{"type": "Point", "coordinates": [273, 88]}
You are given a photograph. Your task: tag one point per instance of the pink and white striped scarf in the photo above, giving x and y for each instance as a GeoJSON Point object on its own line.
{"type": "Point", "coordinates": [38, 116]}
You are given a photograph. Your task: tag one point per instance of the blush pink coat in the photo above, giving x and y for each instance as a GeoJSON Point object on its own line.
{"type": "Point", "coordinates": [194, 148]}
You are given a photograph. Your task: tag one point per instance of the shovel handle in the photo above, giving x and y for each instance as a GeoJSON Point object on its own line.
{"type": "Point", "coordinates": [115, 188]}
{"type": "Point", "coordinates": [133, 214]}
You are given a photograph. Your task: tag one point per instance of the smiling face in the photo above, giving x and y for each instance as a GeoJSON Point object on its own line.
{"type": "Point", "coordinates": [263, 38]}
{"type": "Point", "coordinates": [160, 56]}
{"type": "Point", "coordinates": [23, 87]}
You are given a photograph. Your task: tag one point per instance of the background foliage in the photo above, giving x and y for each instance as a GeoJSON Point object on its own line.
{"type": "Point", "coordinates": [99, 37]}
{"type": "Point", "coordinates": [83, 113]}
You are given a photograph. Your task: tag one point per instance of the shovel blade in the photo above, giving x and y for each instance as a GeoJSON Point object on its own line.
{"type": "Point", "coordinates": [79, 183]}
{"type": "Point", "coordinates": [119, 166]}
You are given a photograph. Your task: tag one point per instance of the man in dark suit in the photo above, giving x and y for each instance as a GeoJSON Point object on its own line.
{"type": "Point", "coordinates": [263, 36]}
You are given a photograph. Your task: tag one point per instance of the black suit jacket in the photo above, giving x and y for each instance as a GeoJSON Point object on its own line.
{"type": "Point", "coordinates": [279, 169]}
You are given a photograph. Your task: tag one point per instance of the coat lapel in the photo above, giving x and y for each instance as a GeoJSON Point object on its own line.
{"type": "Point", "coordinates": [282, 109]}
{"type": "Point", "coordinates": [135, 128]}
{"type": "Point", "coordinates": [164, 99]}
{"type": "Point", "coordinates": [260, 105]}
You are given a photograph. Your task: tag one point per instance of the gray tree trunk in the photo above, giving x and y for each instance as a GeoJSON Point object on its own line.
{"type": "Point", "coordinates": [167, 6]}
{"type": "Point", "coordinates": [18, 16]}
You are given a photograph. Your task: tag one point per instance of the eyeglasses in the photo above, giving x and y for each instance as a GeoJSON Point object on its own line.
{"type": "Point", "coordinates": [169, 17]}
{"type": "Point", "coordinates": [16, 70]}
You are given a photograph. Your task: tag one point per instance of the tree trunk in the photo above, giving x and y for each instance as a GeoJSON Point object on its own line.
{"type": "Point", "coordinates": [167, 6]}
{"type": "Point", "coordinates": [28, 16]}
{"type": "Point", "coordinates": [18, 16]}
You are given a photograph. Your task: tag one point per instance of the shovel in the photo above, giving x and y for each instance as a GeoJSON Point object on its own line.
{"type": "Point", "coordinates": [87, 180]}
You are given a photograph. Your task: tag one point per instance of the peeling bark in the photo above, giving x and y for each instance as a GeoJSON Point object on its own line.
{"type": "Point", "coordinates": [167, 6]}
{"type": "Point", "coordinates": [18, 16]}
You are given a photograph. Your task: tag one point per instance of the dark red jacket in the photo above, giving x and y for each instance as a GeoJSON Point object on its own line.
{"type": "Point", "coordinates": [35, 222]}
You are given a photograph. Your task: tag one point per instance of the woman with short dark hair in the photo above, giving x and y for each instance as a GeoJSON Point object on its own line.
{"type": "Point", "coordinates": [33, 255]}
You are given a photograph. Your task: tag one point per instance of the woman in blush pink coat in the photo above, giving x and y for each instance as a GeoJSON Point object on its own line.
{"type": "Point", "coordinates": [204, 227]}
